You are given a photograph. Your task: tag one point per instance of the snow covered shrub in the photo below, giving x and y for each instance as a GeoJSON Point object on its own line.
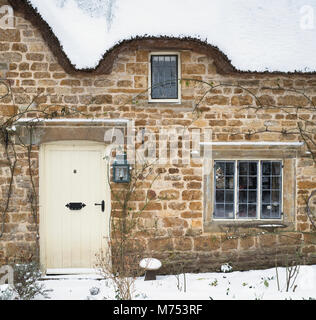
{"type": "Point", "coordinates": [214, 283]}
{"type": "Point", "coordinates": [292, 269]}
{"type": "Point", "coordinates": [226, 268]}
{"type": "Point", "coordinates": [176, 268]}
{"type": "Point", "coordinates": [6, 293]}
{"type": "Point", "coordinates": [26, 281]}
{"type": "Point", "coordinates": [94, 291]}
{"type": "Point", "coordinates": [120, 269]}
{"type": "Point", "coordinates": [120, 261]}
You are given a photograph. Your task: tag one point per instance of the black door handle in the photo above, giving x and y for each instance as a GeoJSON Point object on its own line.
{"type": "Point", "coordinates": [75, 205]}
{"type": "Point", "coordinates": [102, 204]}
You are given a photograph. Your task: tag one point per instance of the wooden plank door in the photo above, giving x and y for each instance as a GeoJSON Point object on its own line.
{"type": "Point", "coordinates": [74, 176]}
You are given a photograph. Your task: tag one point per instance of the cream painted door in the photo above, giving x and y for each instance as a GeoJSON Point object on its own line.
{"type": "Point", "coordinates": [73, 173]}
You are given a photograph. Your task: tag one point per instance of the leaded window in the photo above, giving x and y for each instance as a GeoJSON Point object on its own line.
{"type": "Point", "coordinates": [247, 189]}
{"type": "Point", "coordinates": [224, 186]}
{"type": "Point", "coordinates": [271, 177]}
{"type": "Point", "coordinates": [164, 77]}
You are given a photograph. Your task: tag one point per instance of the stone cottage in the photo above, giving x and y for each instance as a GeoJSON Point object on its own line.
{"type": "Point", "coordinates": [249, 210]}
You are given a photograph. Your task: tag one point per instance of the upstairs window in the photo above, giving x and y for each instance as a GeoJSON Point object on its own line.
{"type": "Point", "coordinates": [248, 189]}
{"type": "Point", "coordinates": [164, 78]}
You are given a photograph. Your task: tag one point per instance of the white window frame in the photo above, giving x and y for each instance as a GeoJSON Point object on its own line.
{"type": "Point", "coordinates": [165, 53]}
{"type": "Point", "coordinates": [258, 195]}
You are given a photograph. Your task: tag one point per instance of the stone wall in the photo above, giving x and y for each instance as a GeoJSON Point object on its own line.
{"type": "Point", "coordinates": [174, 218]}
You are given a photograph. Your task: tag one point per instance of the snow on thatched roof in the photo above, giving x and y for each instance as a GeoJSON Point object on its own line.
{"type": "Point", "coordinates": [257, 35]}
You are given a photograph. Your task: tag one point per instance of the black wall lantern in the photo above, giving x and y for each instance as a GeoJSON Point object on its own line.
{"type": "Point", "coordinates": [121, 169]}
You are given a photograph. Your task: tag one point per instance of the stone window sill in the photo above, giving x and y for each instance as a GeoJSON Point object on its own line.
{"type": "Point", "coordinates": [264, 226]}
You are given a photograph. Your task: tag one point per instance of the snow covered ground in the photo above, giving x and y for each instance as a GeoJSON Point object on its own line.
{"type": "Point", "coordinates": [256, 35]}
{"type": "Point", "coordinates": [250, 285]}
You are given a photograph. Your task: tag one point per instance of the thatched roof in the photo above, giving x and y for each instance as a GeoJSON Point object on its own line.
{"type": "Point", "coordinates": [221, 61]}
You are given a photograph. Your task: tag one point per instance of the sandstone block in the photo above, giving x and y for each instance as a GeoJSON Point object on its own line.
{"type": "Point", "coordinates": [11, 57]}
{"type": "Point", "coordinates": [70, 83]}
{"type": "Point", "coordinates": [124, 83]}
{"type": "Point", "coordinates": [140, 82]}
{"type": "Point", "coordinates": [137, 68]}
{"type": "Point", "coordinates": [142, 56]}
{"type": "Point", "coordinates": [178, 206]}
{"type": "Point", "coordinates": [160, 244]}
{"type": "Point", "coordinates": [19, 47]}
{"type": "Point", "coordinates": [102, 99]}
{"type": "Point", "coordinates": [291, 100]}
{"type": "Point", "coordinates": [191, 195]}
{"type": "Point", "coordinates": [191, 68]}
{"type": "Point", "coordinates": [183, 244]}
{"type": "Point", "coordinates": [216, 100]}
{"type": "Point", "coordinates": [37, 66]}
{"type": "Point", "coordinates": [174, 223]}
{"type": "Point", "coordinates": [196, 206]}
{"type": "Point", "coordinates": [41, 75]}
{"type": "Point", "coordinates": [241, 100]}
{"type": "Point", "coordinates": [35, 56]}
{"type": "Point", "coordinates": [169, 194]}
{"type": "Point", "coordinates": [10, 35]}
{"type": "Point", "coordinates": [206, 243]}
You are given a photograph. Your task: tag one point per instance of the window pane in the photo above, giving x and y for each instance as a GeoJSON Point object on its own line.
{"type": "Point", "coordinates": [243, 183]}
{"type": "Point", "coordinates": [243, 168]}
{"type": "Point", "coordinates": [266, 182]}
{"type": "Point", "coordinates": [229, 183]}
{"type": "Point", "coordinates": [271, 194]}
{"type": "Point", "coordinates": [242, 212]}
{"type": "Point", "coordinates": [248, 185]}
{"type": "Point", "coordinates": [220, 175]}
{"type": "Point", "coordinates": [275, 196]}
{"type": "Point", "coordinates": [252, 183]}
{"type": "Point", "coordinates": [229, 196]}
{"type": "Point", "coordinates": [252, 211]}
{"type": "Point", "coordinates": [220, 211]}
{"type": "Point", "coordinates": [266, 211]}
{"type": "Point", "coordinates": [229, 211]}
{"type": "Point", "coordinates": [252, 197]}
{"type": "Point", "coordinates": [164, 77]}
{"type": "Point", "coordinates": [275, 211]}
{"type": "Point", "coordinates": [220, 167]}
{"type": "Point", "coordinates": [224, 189]}
{"type": "Point", "coordinates": [266, 168]}
{"type": "Point", "coordinates": [242, 196]}
{"type": "Point", "coordinates": [220, 184]}
{"type": "Point", "coordinates": [230, 168]}
{"type": "Point", "coordinates": [276, 182]}
{"type": "Point", "coordinates": [220, 196]}
{"type": "Point", "coordinates": [253, 168]}
{"type": "Point", "coordinates": [276, 168]}
{"type": "Point", "coordinates": [266, 197]}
